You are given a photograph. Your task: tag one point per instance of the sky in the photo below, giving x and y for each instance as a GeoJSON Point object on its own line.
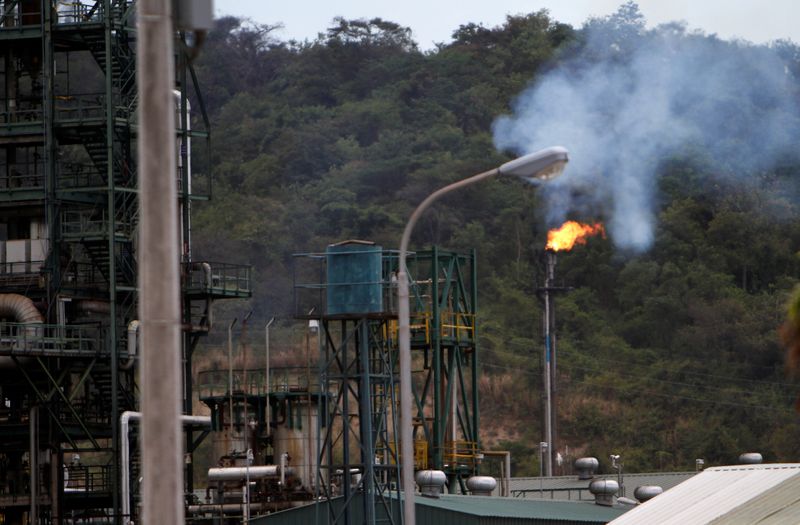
{"type": "Point", "coordinates": [434, 21]}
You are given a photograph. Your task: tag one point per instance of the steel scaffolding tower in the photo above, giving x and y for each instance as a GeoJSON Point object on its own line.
{"type": "Point", "coordinates": [444, 299]}
{"type": "Point", "coordinates": [351, 291]}
{"type": "Point", "coordinates": [68, 239]}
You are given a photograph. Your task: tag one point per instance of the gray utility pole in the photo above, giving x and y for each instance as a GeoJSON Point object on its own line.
{"type": "Point", "coordinates": [159, 305]}
{"type": "Point", "coordinates": [547, 293]}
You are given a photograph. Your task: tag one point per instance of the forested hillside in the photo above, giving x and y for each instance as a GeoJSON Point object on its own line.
{"type": "Point", "coordinates": [666, 354]}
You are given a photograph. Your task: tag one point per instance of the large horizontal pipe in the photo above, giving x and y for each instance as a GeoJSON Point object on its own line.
{"type": "Point", "coordinates": [124, 421]}
{"type": "Point", "coordinates": [240, 473]}
{"type": "Point", "coordinates": [226, 507]}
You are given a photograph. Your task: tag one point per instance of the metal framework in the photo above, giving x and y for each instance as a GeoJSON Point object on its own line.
{"type": "Point", "coordinates": [358, 364]}
{"type": "Point", "coordinates": [358, 367]}
{"type": "Point", "coordinates": [444, 343]}
{"type": "Point", "coordinates": [68, 227]}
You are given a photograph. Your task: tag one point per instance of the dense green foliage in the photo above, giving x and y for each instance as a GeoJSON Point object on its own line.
{"type": "Point", "coordinates": [664, 357]}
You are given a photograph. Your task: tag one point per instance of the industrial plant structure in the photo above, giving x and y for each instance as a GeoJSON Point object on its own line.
{"type": "Point", "coordinates": [68, 260]}
{"type": "Point", "coordinates": [319, 428]}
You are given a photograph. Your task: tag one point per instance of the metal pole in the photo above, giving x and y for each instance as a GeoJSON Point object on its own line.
{"type": "Point", "coordinates": [230, 376]}
{"type": "Point", "coordinates": [159, 307]}
{"type": "Point", "coordinates": [245, 387]}
{"type": "Point", "coordinates": [33, 463]}
{"type": "Point", "coordinates": [548, 407]}
{"type": "Point", "coordinates": [404, 339]}
{"type": "Point", "coordinates": [266, 376]}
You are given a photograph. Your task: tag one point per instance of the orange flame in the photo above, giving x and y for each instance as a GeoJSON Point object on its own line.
{"type": "Point", "coordinates": [571, 233]}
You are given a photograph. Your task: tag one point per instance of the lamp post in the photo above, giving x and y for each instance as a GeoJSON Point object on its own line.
{"type": "Point", "coordinates": [542, 165]}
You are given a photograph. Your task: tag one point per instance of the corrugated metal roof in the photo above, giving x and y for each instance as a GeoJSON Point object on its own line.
{"type": "Point", "coordinates": [711, 495]}
{"type": "Point", "coordinates": [462, 510]}
{"type": "Point", "coordinates": [779, 505]}
{"type": "Point", "coordinates": [484, 506]}
{"type": "Point", "coordinates": [572, 488]}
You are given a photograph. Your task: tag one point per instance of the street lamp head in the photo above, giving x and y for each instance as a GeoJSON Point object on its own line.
{"type": "Point", "coordinates": [542, 165]}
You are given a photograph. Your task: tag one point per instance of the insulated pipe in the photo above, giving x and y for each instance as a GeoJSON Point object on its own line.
{"type": "Point", "coordinates": [284, 458]}
{"type": "Point", "coordinates": [124, 422]}
{"type": "Point", "coordinates": [240, 473]}
{"type": "Point", "coordinates": [20, 308]}
{"type": "Point", "coordinates": [133, 331]}
{"type": "Point", "coordinates": [227, 508]}
{"type": "Point", "coordinates": [93, 307]}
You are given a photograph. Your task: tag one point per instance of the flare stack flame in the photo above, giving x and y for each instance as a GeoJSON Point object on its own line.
{"type": "Point", "coordinates": [571, 233]}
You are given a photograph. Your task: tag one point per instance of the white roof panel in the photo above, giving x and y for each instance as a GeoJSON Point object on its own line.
{"type": "Point", "coordinates": [709, 495]}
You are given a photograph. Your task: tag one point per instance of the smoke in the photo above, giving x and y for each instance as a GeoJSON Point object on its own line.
{"type": "Point", "coordinates": [630, 98]}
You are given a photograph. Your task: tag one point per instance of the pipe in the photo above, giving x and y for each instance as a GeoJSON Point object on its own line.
{"type": "Point", "coordinates": [187, 153]}
{"type": "Point", "coordinates": [133, 331]}
{"type": "Point", "coordinates": [34, 463]}
{"type": "Point", "coordinates": [284, 460]}
{"type": "Point", "coordinates": [93, 307]}
{"type": "Point", "coordinates": [227, 508]}
{"type": "Point", "coordinates": [266, 376]}
{"type": "Point", "coordinates": [505, 468]}
{"type": "Point", "coordinates": [20, 308]}
{"type": "Point", "coordinates": [230, 375]}
{"type": "Point", "coordinates": [241, 473]}
{"type": "Point", "coordinates": [124, 421]}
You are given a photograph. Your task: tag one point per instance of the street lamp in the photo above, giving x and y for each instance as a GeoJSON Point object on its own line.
{"type": "Point", "coordinates": [542, 165]}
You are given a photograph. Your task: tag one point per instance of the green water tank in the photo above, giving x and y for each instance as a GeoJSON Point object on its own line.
{"type": "Point", "coordinates": [354, 284]}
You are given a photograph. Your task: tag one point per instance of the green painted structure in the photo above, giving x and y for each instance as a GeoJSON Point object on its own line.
{"type": "Point", "coordinates": [472, 510]}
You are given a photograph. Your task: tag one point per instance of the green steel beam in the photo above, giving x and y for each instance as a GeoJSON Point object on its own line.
{"type": "Point", "coordinates": [44, 402]}
{"type": "Point", "coordinates": [71, 409]}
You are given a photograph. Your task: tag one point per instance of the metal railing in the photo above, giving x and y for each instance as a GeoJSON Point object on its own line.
{"type": "Point", "coordinates": [19, 268]}
{"type": "Point", "coordinates": [460, 454]}
{"type": "Point", "coordinates": [220, 279]}
{"type": "Point", "coordinates": [80, 107]}
{"type": "Point", "coordinates": [87, 478]}
{"type": "Point", "coordinates": [79, 175]}
{"type": "Point", "coordinates": [47, 339]}
{"type": "Point", "coordinates": [21, 116]}
{"type": "Point", "coordinates": [86, 224]}
{"type": "Point", "coordinates": [214, 383]}
{"type": "Point", "coordinates": [457, 325]}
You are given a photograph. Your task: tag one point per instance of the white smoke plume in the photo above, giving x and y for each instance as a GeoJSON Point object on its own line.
{"type": "Point", "coordinates": [628, 98]}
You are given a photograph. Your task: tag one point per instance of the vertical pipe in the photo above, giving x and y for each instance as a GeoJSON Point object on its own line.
{"type": "Point", "coordinates": [507, 462]}
{"type": "Point", "coordinates": [33, 420]}
{"type": "Point", "coordinates": [367, 449]}
{"type": "Point", "coordinates": [438, 385]}
{"type": "Point", "coordinates": [111, 247]}
{"type": "Point", "coordinates": [162, 447]}
{"type": "Point", "coordinates": [345, 386]}
{"type": "Point", "coordinates": [230, 378]}
{"type": "Point", "coordinates": [548, 438]}
{"type": "Point", "coordinates": [552, 259]}
{"type": "Point", "coordinates": [247, 431]}
{"type": "Point", "coordinates": [125, 466]}
{"type": "Point", "coordinates": [475, 362]}
{"type": "Point", "coordinates": [266, 377]}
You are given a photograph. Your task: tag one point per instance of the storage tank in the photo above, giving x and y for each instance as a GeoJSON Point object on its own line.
{"type": "Point", "coordinates": [354, 284]}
